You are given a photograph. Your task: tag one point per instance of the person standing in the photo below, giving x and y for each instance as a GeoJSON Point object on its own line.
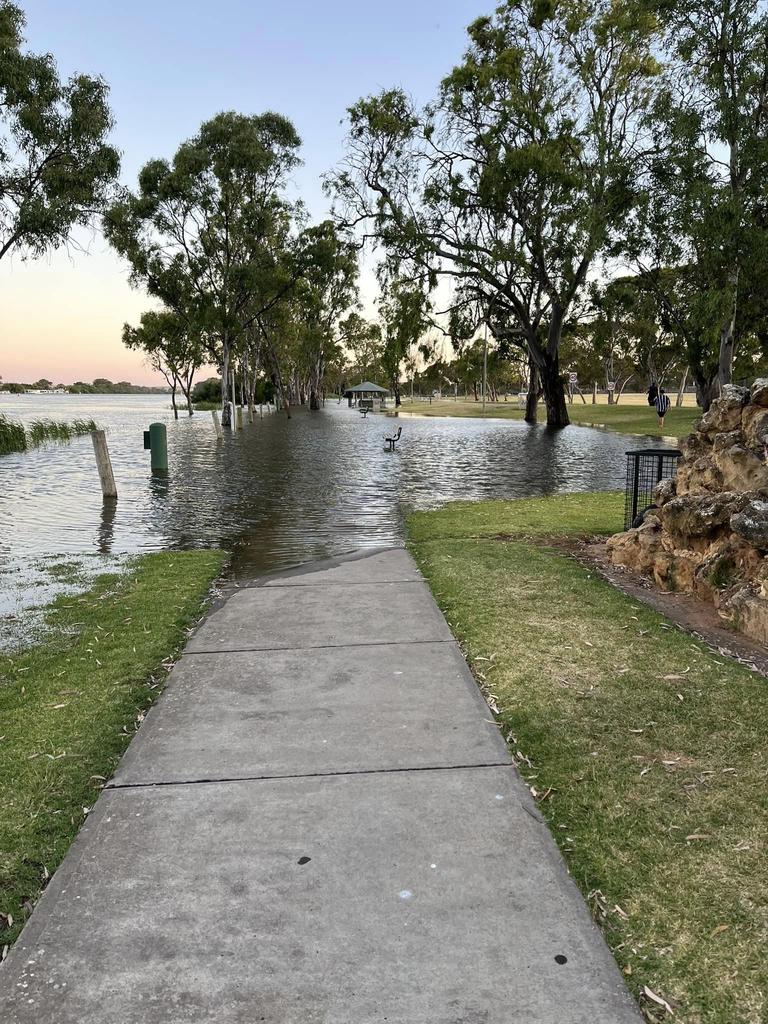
{"type": "Point", "coordinates": [662, 404]}
{"type": "Point", "coordinates": [653, 392]}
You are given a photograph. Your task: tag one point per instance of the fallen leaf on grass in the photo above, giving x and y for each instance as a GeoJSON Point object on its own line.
{"type": "Point", "coordinates": [650, 994]}
{"type": "Point", "coordinates": [697, 835]}
{"type": "Point", "coordinates": [720, 928]}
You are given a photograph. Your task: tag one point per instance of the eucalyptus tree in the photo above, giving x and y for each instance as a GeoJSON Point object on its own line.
{"type": "Point", "coordinates": [57, 167]}
{"type": "Point", "coordinates": [522, 172]}
{"type": "Point", "coordinates": [361, 340]}
{"type": "Point", "coordinates": [199, 230]}
{"type": "Point", "coordinates": [172, 346]}
{"type": "Point", "coordinates": [703, 242]}
{"type": "Point", "coordinates": [404, 310]}
{"type": "Point", "coordinates": [325, 291]}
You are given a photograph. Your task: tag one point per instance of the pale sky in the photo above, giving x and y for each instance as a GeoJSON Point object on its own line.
{"type": "Point", "coordinates": [171, 65]}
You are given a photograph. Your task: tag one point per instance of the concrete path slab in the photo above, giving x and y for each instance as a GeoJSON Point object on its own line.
{"type": "Point", "coordinates": [337, 709]}
{"type": "Point", "coordinates": [393, 565]}
{"type": "Point", "coordinates": [275, 618]}
{"type": "Point", "coordinates": [411, 898]}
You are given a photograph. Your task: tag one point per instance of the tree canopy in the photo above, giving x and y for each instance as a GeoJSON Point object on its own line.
{"type": "Point", "coordinates": [57, 168]}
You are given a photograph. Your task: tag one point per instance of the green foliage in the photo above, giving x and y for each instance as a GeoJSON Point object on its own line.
{"type": "Point", "coordinates": [209, 232]}
{"type": "Point", "coordinates": [207, 391]}
{"type": "Point", "coordinates": [702, 242]}
{"type": "Point", "coordinates": [173, 346]}
{"type": "Point", "coordinates": [14, 437]}
{"type": "Point", "coordinates": [405, 311]}
{"type": "Point", "coordinates": [41, 431]}
{"type": "Point", "coordinates": [56, 166]}
{"type": "Point", "coordinates": [522, 173]}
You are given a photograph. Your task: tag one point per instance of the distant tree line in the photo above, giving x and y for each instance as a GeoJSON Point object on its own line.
{"type": "Point", "coordinates": [99, 386]}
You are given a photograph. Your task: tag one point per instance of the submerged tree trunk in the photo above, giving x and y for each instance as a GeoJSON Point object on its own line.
{"type": "Point", "coordinates": [532, 397]}
{"type": "Point", "coordinates": [316, 376]}
{"type": "Point", "coordinates": [553, 388]}
{"type": "Point", "coordinates": [173, 399]}
{"type": "Point", "coordinates": [226, 410]}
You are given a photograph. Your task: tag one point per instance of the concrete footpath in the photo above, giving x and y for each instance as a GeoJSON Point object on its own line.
{"type": "Point", "coordinates": [318, 823]}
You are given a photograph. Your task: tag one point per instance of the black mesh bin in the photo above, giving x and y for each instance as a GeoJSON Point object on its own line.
{"type": "Point", "coordinates": [645, 468]}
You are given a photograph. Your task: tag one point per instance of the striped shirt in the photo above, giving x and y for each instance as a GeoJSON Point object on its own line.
{"type": "Point", "coordinates": [662, 403]}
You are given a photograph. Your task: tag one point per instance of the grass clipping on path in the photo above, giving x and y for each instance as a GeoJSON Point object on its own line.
{"type": "Point", "coordinates": [69, 707]}
{"type": "Point", "coordinates": [646, 752]}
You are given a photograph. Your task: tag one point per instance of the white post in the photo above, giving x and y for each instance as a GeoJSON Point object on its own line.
{"type": "Point", "coordinates": [216, 422]}
{"type": "Point", "coordinates": [104, 464]}
{"type": "Point", "coordinates": [485, 362]}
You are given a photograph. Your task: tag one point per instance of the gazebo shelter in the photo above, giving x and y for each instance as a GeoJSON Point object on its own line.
{"type": "Point", "coordinates": [365, 392]}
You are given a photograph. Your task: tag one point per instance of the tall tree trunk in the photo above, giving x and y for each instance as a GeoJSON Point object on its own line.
{"type": "Point", "coordinates": [681, 389]}
{"type": "Point", "coordinates": [727, 335]}
{"type": "Point", "coordinates": [316, 376]}
{"type": "Point", "coordinates": [547, 359]}
{"type": "Point", "coordinates": [226, 411]}
{"type": "Point", "coordinates": [707, 387]}
{"type": "Point", "coordinates": [532, 397]}
{"type": "Point", "coordinates": [553, 388]}
{"type": "Point", "coordinates": [173, 400]}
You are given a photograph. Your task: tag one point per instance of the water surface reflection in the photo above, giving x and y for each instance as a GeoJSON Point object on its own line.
{"type": "Point", "coordinates": [276, 493]}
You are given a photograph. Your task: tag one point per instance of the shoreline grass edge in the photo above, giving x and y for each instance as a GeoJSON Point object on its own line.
{"type": "Point", "coordinates": [70, 705]}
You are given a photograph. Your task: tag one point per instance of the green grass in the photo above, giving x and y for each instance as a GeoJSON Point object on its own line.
{"type": "Point", "coordinates": [14, 437]}
{"type": "Point", "coordinates": [623, 419]}
{"type": "Point", "coordinates": [70, 705]}
{"type": "Point", "coordinates": [646, 751]}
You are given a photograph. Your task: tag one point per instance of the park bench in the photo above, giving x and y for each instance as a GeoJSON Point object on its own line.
{"type": "Point", "coordinates": [392, 441]}
{"type": "Point", "coordinates": [365, 405]}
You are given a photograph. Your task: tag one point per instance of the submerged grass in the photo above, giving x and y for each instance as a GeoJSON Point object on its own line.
{"type": "Point", "coordinates": [621, 418]}
{"type": "Point", "coordinates": [14, 437]}
{"type": "Point", "coordinates": [70, 705]}
{"type": "Point", "coordinates": [645, 750]}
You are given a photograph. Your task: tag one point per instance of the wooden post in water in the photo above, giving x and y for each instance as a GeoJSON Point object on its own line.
{"type": "Point", "coordinates": [216, 422]}
{"type": "Point", "coordinates": [104, 464]}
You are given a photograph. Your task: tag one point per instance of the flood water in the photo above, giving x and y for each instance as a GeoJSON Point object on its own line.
{"type": "Point", "coordinates": [276, 493]}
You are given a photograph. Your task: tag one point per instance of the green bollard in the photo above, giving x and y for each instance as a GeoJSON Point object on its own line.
{"type": "Point", "coordinates": [157, 441]}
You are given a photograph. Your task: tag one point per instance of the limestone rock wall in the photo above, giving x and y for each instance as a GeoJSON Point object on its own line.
{"type": "Point", "coordinates": [708, 531]}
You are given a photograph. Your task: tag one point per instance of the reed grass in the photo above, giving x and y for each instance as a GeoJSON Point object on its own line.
{"type": "Point", "coordinates": [15, 437]}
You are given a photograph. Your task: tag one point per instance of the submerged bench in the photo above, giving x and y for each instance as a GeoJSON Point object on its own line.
{"type": "Point", "coordinates": [392, 441]}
